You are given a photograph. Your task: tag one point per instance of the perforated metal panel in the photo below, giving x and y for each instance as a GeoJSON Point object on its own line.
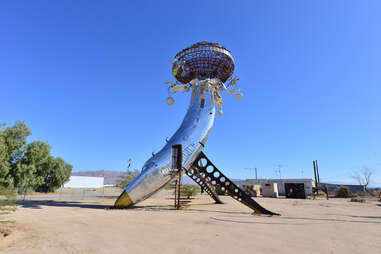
{"type": "Point", "coordinates": [205, 170]}
{"type": "Point", "coordinates": [207, 186]}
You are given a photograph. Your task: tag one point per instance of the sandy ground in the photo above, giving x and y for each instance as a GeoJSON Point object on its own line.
{"type": "Point", "coordinates": [306, 226]}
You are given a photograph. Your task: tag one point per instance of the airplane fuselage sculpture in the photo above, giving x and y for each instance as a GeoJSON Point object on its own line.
{"type": "Point", "coordinates": [203, 69]}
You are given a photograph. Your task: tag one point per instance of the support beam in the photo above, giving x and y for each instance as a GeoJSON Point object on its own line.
{"type": "Point", "coordinates": [204, 170]}
{"type": "Point", "coordinates": [195, 175]}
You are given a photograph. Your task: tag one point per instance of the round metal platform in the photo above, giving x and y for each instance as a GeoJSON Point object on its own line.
{"type": "Point", "coordinates": [203, 60]}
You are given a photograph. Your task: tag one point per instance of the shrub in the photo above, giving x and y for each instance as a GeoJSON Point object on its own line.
{"type": "Point", "coordinates": [343, 192]}
{"type": "Point", "coordinates": [189, 190]}
{"type": "Point", "coordinates": [125, 179]}
{"type": "Point", "coordinates": [7, 200]}
{"type": "Point", "coordinates": [378, 195]}
{"type": "Point", "coordinates": [360, 200]}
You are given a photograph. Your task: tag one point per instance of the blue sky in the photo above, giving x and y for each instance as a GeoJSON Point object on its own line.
{"type": "Point", "coordinates": [88, 77]}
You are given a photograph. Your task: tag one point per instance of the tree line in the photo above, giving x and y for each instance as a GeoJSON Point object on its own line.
{"type": "Point", "coordinates": [26, 167]}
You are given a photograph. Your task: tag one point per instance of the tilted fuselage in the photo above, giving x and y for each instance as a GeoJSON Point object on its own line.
{"type": "Point", "coordinates": [192, 135]}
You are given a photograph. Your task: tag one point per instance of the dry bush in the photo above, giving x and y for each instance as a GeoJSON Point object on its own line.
{"type": "Point", "coordinates": [378, 195]}
{"type": "Point", "coordinates": [189, 190]}
{"type": "Point", "coordinates": [360, 200]}
{"type": "Point", "coordinates": [343, 192]}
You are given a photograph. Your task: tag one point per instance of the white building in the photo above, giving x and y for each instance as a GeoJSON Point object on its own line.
{"type": "Point", "coordinates": [308, 183]}
{"type": "Point", "coordinates": [84, 182]}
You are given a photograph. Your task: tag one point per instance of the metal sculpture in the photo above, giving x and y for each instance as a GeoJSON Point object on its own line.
{"type": "Point", "coordinates": [203, 68]}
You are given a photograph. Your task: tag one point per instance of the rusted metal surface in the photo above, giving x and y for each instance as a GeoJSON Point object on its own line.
{"type": "Point", "coordinates": [206, 170]}
{"type": "Point", "coordinates": [177, 192]}
{"type": "Point", "coordinates": [203, 60]}
{"type": "Point", "coordinates": [176, 166]}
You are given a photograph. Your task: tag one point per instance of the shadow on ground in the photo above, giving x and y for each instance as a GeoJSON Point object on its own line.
{"type": "Point", "coordinates": [36, 204]}
{"type": "Point", "coordinates": [366, 217]}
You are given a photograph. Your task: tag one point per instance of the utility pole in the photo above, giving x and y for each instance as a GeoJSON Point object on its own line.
{"type": "Point", "coordinates": [316, 176]}
{"type": "Point", "coordinates": [256, 173]}
{"type": "Point", "coordinates": [317, 171]}
{"type": "Point", "coordinates": [103, 191]}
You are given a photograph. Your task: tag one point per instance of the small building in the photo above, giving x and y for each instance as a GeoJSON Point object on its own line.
{"type": "Point", "coordinates": [295, 190]}
{"type": "Point", "coordinates": [270, 190]}
{"type": "Point", "coordinates": [308, 183]}
{"type": "Point", "coordinates": [84, 182]}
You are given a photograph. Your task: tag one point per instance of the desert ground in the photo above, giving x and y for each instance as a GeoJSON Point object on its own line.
{"type": "Point", "coordinates": [153, 226]}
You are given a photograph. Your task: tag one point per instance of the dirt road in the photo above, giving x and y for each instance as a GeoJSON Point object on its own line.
{"type": "Point", "coordinates": [306, 226]}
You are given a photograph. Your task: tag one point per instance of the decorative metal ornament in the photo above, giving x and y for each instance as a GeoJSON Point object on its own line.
{"type": "Point", "coordinates": [208, 65]}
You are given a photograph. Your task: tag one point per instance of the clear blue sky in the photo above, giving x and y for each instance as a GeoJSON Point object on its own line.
{"type": "Point", "coordinates": [88, 77]}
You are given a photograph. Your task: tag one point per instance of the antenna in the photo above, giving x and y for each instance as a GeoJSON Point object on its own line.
{"type": "Point", "coordinates": [279, 171]}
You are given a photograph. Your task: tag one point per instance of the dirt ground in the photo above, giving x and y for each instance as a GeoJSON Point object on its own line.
{"type": "Point", "coordinates": [306, 226]}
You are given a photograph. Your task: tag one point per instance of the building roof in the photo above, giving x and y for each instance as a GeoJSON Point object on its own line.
{"type": "Point", "coordinates": [84, 182]}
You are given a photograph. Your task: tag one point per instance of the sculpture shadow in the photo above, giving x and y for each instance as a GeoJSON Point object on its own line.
{"type": "Point", "coordinates": [37, 204]}
{"type": "Point", "coordinates": [366, 217]}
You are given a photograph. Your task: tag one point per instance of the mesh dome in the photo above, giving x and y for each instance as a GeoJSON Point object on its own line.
{"type": "Point", "coordinates": [203, 60]}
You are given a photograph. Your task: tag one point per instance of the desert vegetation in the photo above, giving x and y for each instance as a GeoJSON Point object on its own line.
{"type": "Point", "coordinates": [343, 192]}
{"type": "Point", "coordinates": [188, 190]}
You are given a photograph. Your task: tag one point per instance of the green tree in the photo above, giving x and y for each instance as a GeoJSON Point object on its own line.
{"type": "Point", "coordinates": [28, 167]}
{"type": "Point", "coordinates": [12, 146]}
{"type": "Point", "coordinates": [25, 179]}
{"type": "Point", "coordinates": [127, 178]}
{"type": "Point", "coordinates": [4, 163]}
{"type": "Point", "coordinates": [54, 173]}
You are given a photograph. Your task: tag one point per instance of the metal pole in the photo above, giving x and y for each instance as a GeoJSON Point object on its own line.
{"type": "Point", "coordinates": [179, 192]}
{"type": "Point", "coordinates": [317, 171]}
{"type": "Point", "coordinates": [256, 176]}
{"type": "Point", "coordinates": [175, 199]}
{"type": "Point", "coordinates": [176, 165]}
{"type": "Point", "coordinates": [60, 193]}
{"type": "Point", "coordinates": [316, 181]}
{"type": "Point", "coordinates": [103, 191]}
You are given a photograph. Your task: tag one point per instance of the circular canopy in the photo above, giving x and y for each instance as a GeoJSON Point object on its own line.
{"type": "Point", "coordinates": [203, 60]}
